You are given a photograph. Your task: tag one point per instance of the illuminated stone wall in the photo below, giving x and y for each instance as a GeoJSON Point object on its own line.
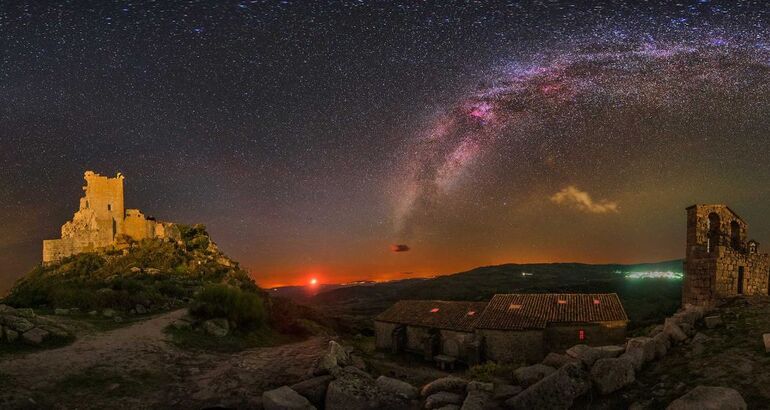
{"type": "Point", "coordinates": [720, 261]}
{"type": "Point", "coordinates": [101, 218]}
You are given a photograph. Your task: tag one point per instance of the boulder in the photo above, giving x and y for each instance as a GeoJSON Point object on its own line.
{"type": "Point", "coordinates": [397, 387]}
{"type": "Point", "coordinates": [674, 332]}
{"type": "Point", "coordinates": [6, 309]}
{"type": "Point", "coordinates": [135, 269]}
{"type": "Point", "coordinates": [556, 391]}
{"type": "Point", "coordinates": [26, 313]}
{"type": "Point", "coordinates": [506, 391]}
{"type": "Point", "coordinates": [11, 335]}
{"type": "Point", "coordinates": [108, 313]}
{"type": "Point", "coordinates": [61, 312]}
{"type": "Point", "coordinates": [688, 329]}
{"type": "Point", "coordinates": [449, 384]}
{"type": "Point", "coordinates": [152, 271]}
{"type": "Point", "coordinates": [610, 351]}
{"type": "Point", "coordinates": [635, 357]}
{"type": "Point", "coordinates": [709, 398]}
{"type": "Point", "coordinates": [610, 375]}
{"type": "Point", "coordinates": [661, 343]}
{"type": "Point", "coordinates": [449, 407]}
{"type": "Point", "coordinates": [557, 360]}
{"type": "Point", "coordinates": [475, 400]}
{"type": "Point", "coordinates": [766, 340]}
{"type": "Point", "coordinates": [284, 398]}
{"type": "Point", "coordinates": [339, 354]}
{"type": "Point", "coordinates": [586, 354]}
{"type": "Point", "coordinates": [441, 399]}
{"type": "Point", "coordinates": [55, 331]}
{"type": "Point", "coordinates": [216, 327]}
{"type": "Point", "coordinates": [351, 391]}
{"type": "Point", "coordinates": [527, 376]}
{"type": "Point", "coordinates": [181, 324]}
{"type": "Point", "coordinates": [645, 344]}
{"type": "Point", "coordinates": [16, 323]}
{"type": "Point", "coordinates": [712, 321]}
{"type": "Point", "coordinates": [481, 386]}
{"type": "Point", "coordinates": [34, 336]}
{"type": "Point", "coordinates": [655, 330]}
{"type": "Point", "coordinates": [140, 309]}
{"type": "Point", "coordinates": [314, 389]}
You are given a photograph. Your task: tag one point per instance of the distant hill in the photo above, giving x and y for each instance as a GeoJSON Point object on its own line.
{"type": "Point", "coordinates": [645, 300]}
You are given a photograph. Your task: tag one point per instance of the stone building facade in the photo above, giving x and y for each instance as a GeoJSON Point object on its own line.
{"type": "Point", "coordinates": [511, 328]}
{"type": "Point", "coordinates": [720, 260]}
{"type": "Point", "coordinates": [102, 221]}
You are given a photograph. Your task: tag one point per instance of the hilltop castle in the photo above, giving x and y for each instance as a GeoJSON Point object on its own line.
{"type": "Point", "coordinates": [103, 222]}
{"type": "Point", "coordinates": [720, 261]}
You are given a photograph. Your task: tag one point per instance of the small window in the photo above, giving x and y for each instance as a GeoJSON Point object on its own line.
{"type": "Point", "coordinates": [471, 313]}
{"type": "Point", "coordinates": [597, 302]}
{"type": "Point", "coordinates": [581, 334]}
{"type": "Point", "coordinates": [434, 310]}
{"type": "Point", "coordinates": [562, 302]}
{"type": "Point", "coordinates": [109, 207]}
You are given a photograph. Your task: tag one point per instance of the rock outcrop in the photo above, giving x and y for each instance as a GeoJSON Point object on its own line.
{"type": "Point", "coordinates": [556, 391]}
{"type": "Point", "coordinates": [284, 398]}
{"type": "Point", "coordinates": [24, 325]}
{"type": "Point", "coordinates": [709, 398]}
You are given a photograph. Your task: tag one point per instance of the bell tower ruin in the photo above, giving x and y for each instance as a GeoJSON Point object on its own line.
{"type": "Point", "coordinates": [720, 262]}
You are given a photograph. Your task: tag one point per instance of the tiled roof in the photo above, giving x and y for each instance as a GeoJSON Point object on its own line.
{"type": "Point", "coordinates": [438, 314]}
{"type": "Point", "coordinates": [535, 311]}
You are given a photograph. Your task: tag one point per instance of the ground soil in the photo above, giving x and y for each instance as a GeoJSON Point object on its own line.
{"type": "Point", "coordinates": [137, 367]}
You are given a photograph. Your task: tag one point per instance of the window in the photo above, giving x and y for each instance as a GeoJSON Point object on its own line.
{"type": "Point", "coordinates": [562, 302]}
{"type": "Point", "coordinates": [434, 310]}
{"type": "Point", "coordinates": [471, 313]}
{"type": "Point", "coordinates": [581, 334]}
{"type": "Point", "coordinates": [597, 302]}
{"type": "Point", "coordinates": [109, 207]}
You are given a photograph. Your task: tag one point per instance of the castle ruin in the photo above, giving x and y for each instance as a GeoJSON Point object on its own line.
{"type": "Point", "coordinates": [720, 261]}
{"type": "Point", "coordinates": [102, 222]}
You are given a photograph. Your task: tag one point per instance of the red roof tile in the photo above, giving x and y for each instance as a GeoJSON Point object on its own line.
{"type": "Point", "coordinates": [461, 316]}
{"type": "Point", "coordinates": [536, 311]}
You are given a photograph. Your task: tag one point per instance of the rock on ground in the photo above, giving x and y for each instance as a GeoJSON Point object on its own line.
{"type": "Point", "coordinates": [284, 398]}
{"type": "Point", "coordinates": [557, 360]}
{"type": "Point", "coordinates": [709, 398]}
{"type": "Point", "coordinates": [586, 354]}
{"type": "Point", "coordinates": [476, 400]}
{"type": "Point", "coordinates": [35, 336]}
{"type": "Point", "coordinates": [712, 321]}
{"type": "Point", "coordinates": [610, 375]}
{"type": "Point", "coordinates": [449, 384]}
{"type": "Point", "coordinates": [674, 332]}
{"type": "Point", "coordinates": [611, 351]}
{"type": "Point", "coordinates": [506, 391]}
{"type": "Point", "coordinates": [481, 386]}
{"type": "Point", "coordinates": [397, 387]}
{"type": "Point", "coordinates": [449, 407]}
{"type": "Point", "coordinates": [635, 357]}
{"type": "Point", "coordinates": [556, 391]}
{"type": "Point", "coordinates": [314, 389]}
{"type": "Point", "coordinates": [645, 344]}
{"type": "Point", "coordinates": [354, 390]}
{"type": "Point", "coordinates": [527, 376]}
{"type": "Point", "coordinates": [766, 340]}
{"type": "Point", "coordinates": [17, 323]}
{"type": "Point", "coordinates": [216, 327]}
{"type": "Point", "coordinates": [441, 399]}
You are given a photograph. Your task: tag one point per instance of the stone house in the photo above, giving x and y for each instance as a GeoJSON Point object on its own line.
{"type": "Point", "coordinates": [102, 221]}
{"type": "Point", "coordinates": [720, 260]}
{"type": "Point", "coordinates": [430, 328]}
{"type": "Point", "coordinates": [509, 329]}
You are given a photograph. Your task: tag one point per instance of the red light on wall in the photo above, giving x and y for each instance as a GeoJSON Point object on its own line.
{"type": "Point", "coordinates": [582, 334]}
{"type": "Point", "coordinates": [597, 301]}
{"type": "Point", "coordinates": [434, 310]}
{"type": "Point", "coordinates": [562, 302]}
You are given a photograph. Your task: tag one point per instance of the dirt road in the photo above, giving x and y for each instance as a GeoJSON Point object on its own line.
{"type": "Point", "coordinates": [137, 367]}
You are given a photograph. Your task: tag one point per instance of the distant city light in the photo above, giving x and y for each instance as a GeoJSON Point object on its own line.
{"type": "Point", "coordinates": [653, 275]}
{"type": "Point", "coordinates": [527, 273]}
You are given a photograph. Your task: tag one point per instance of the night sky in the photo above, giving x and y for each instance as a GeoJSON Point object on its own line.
{"type": "Point", "coordinates": [377, 140]}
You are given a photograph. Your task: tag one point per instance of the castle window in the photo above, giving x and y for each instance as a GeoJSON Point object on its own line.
{"type": "Point", "coordinates": [713, 232]}
{"type": "Point", "coordinates": [109, 207]}
{"type": "Point", "coordinates": [735, 235]}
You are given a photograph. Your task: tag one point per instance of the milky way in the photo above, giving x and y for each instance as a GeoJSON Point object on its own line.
{"type": "Point", "coordinates": [349, 140]}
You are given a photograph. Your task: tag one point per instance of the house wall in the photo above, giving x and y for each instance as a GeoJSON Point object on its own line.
{"type": "Point", "coordinates": [414, 337]}
{"type": "Point", "coordinates": [453, 343]}
{"type": "Point", "coordinates": [513, 346]}
{"type": "Point", "coordinates": [560, 337]}
{"type": "Point", "coordinates": [382, 334]}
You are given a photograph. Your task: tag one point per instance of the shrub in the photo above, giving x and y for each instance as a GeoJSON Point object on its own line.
{"type": "Point", "coordinates": [244, 310]}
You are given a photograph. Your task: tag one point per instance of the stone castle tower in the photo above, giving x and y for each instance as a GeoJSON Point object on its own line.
{"type": "Point", "coordinates": [103, 222]}
{"type": "Point", "coordinates": [720, 262]}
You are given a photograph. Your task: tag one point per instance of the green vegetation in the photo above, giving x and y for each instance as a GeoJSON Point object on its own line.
{"type": "Point", "coordinates": [243, 309]}
{"type": "Point", "coordinates": [235, 341]}
{"type": "Point", "coordinates": [152, 273]}
{"type": "Point", "coordinates": [19, 346]}
{"type": "Point", "coordinates": [101, 380]}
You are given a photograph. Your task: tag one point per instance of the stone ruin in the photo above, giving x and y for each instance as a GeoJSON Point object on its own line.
{"type": "Point", "coordinates": [102, 222]}
{"type": "Point", "coordinates": [720, 260]}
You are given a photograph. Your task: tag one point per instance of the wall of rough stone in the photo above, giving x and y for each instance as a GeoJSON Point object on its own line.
{"type": "Point", "coordinates": [715, 255]}
{"type": "Point", "coordinates": [453, 343]}
{"type": "Point", "coordinates": [506, 346]}
{"type": "Point", "coordinates": [560, 337]}
{"type": "Point", "coordinates": [382, 334]}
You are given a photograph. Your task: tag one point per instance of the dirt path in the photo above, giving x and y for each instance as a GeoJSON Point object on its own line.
{"type": "Point", "coordinates": [137, 367]}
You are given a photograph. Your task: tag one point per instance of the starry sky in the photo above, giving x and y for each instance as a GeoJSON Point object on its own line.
{"type": "Point", "coordinates": [373, 140]}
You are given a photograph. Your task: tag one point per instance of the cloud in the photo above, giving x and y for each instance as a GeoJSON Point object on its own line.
{"type": "Point", "coordinates": [399, 248]}
{"type": "Point", "coordinates": [582, 201]}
